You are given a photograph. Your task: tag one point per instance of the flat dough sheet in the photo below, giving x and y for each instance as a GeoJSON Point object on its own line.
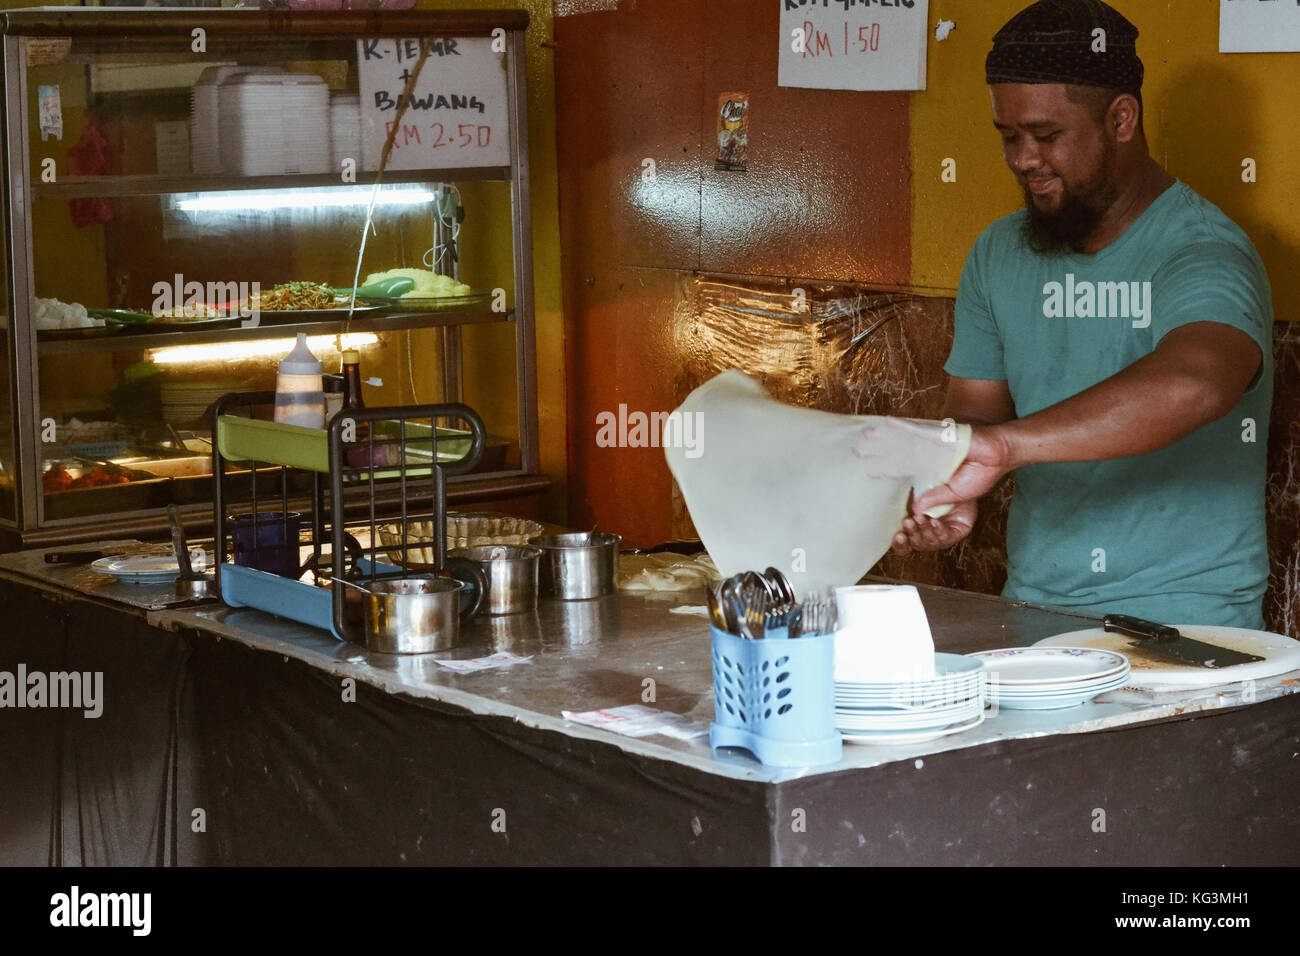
{"type": "Point", "coordinates": [665, 572]}
{"type": "Point", "coordinates": [816, 494]}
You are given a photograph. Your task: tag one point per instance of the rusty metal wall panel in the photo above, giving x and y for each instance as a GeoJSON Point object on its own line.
{"type": "Point", "coordinates": [826, 195]}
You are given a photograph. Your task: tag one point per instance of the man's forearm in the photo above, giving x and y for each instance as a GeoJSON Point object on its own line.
{"type": "Point", "coordinates": [1143, 408]}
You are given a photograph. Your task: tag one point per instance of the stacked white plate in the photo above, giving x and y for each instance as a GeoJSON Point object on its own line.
{"type": "Point", "coordinates": [345, 129]}
{"type": "Point", "coordinates": [906, 712]}
{"type": "Point", "coordinates": [183, 403]}
{"type": "Point", "coordinates": [1051, 678]}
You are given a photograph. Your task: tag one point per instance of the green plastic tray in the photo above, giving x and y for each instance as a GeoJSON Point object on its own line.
{"type": "Point", "coordinates": [247, 439]}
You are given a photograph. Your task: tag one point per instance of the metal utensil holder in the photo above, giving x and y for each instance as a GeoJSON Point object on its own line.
{"type": "Point", "coordinates": [396, 467]}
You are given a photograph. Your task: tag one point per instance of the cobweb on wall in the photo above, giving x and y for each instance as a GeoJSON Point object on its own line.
{"type": "Point", "coordinates": [1282, 493]}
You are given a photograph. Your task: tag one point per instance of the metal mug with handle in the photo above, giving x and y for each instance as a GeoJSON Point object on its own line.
{"type": "Point", "coordinates": [419, 615]}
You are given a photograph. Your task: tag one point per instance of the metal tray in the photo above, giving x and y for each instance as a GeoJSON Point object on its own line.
{"type": "Point", "coordinates": [137, 495]}
{"type": "Point", "coordinates": [291, 316]}
{"type": "Point", "coordinates": [446, 303]}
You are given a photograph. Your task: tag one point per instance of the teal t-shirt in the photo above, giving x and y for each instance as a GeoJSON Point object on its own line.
{"type": "Point", "coordinates": [1176, 535]}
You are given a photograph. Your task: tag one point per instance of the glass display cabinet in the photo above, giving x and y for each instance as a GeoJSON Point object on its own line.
{"type": "Point", "coordinates": [184, 186]}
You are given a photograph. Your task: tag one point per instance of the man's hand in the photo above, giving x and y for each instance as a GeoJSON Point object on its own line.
{"type": "Point", "coordinates": [922, 533]}
{"type": "Point", "coordinates": [986, 462]}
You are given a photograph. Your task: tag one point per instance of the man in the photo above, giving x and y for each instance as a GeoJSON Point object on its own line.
{"type": "Point", "coordinates": [1112, 347]}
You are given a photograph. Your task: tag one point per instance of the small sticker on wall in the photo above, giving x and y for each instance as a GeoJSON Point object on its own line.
{"type": "Point", "coordinates": [733, 132]}
{"type": "Point", "coordinates": [46, 51]}
{"type": "Point", "coordinates": [51, 112]}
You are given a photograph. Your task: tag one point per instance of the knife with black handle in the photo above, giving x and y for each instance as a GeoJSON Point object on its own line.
{"type": "Point", "coordinates": [1168, 642]}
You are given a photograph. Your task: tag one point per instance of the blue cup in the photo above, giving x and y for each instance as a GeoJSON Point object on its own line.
{"type": "Point", "coordinates": [276, 549]}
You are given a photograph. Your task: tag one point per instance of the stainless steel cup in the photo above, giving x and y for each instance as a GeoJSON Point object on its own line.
{"type": "Point", "coordinates": [511, 576]}
{"type": "Point", "coordinates": [412, 615]}
{"type": "Point", "coordinates": [577, 567]}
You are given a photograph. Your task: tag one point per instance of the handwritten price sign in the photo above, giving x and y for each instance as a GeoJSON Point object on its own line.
{"type": "Point", "coordinates": [853, 44]}
{"type": "Point", "coordinates": [458, 111]}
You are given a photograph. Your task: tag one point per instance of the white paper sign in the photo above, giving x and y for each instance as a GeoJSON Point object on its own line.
{"type": "Point", "coordinates": [459, 113]}
{"type": "Point", "coordinates": [637, 720]}
{"type": "Point", "coordinates": [1259, 26]}
{"type": "Point", "coordinates": [472, 664]}
{"type": "Point", "coordinates": [853, 44]}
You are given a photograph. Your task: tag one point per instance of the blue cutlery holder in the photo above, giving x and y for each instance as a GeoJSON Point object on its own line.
{"type": "Point", "coordinates": [776, 698]}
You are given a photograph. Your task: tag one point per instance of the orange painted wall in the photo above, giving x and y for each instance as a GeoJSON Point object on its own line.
{"type": "Point", "coordinates": [826, 195]}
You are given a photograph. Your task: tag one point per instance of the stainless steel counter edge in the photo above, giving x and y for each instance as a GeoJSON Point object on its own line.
{"type": "Point", "coordinates": [1119, 709]}
{"type": "Point", "coordinates": [590, 655]}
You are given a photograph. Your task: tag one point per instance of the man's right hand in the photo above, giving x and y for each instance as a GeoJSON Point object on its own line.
{"type": "Point", "coordinates": [922, 533]}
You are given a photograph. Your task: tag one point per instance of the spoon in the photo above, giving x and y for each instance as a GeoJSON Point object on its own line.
{"type": "Point", "coordinates": [715, 611]}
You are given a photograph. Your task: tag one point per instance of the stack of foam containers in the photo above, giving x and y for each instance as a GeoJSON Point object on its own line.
{"type": "Point", "coordinates": [271, 123]}
{"type": "Point", "coordinates": [345, 129]}
{"type": "Point", "coordinates": [306, 112]}
{"type": "Point", "coordinates": [205, 121]}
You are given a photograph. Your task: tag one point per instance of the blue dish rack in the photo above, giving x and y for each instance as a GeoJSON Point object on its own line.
{"type": "Point", "coordinates": [408, 436]}
{"type": "Point", "coordinates": [775, 697]}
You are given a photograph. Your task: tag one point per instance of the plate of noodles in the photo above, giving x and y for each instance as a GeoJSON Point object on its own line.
{"type": "Point", "coordinates": [303, 301]}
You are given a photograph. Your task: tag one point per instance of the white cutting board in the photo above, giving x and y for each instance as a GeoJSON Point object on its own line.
{"type": "Point", "coordinates": [1280, 653]}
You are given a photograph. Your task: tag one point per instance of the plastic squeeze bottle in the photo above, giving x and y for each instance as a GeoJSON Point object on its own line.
{"type": "Point", "coordinates": [299, 388]}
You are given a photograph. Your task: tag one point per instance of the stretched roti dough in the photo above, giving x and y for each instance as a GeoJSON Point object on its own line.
{"type": "Point", "coordinates": [818, 495]}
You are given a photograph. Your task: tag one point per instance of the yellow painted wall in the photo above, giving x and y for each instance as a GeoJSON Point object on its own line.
{"type": "Point", "coordinates": [1206, 111]}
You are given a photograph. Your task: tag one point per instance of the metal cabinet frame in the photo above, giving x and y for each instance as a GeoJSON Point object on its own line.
{"type": "Point", "coordinates": [158, 30]}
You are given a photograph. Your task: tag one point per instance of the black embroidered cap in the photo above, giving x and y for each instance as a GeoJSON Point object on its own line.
{"type": "Point", "coordinates": [1052, 42]}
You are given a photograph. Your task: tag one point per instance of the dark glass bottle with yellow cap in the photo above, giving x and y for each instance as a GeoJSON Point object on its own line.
{"type": "Point", "coordinates": [359, 453]}
{"type": "Point", "coordinates": [352, 380]}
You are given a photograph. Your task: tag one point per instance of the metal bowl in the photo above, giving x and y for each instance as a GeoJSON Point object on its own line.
{"type": "Point", "coordinates": [412, 615]}
{"type": "Point", "coordinates": [579, 566]}
{"type": "Point", "coordinates": [463, 531]}
{"type": "Point", "coordinates": [511, 576]}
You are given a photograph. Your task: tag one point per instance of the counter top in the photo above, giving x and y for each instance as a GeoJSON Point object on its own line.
{"type": "Point", "coordinates": [589, 655]}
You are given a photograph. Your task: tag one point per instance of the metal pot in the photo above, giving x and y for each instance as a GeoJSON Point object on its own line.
{"type": "Point", "coordinates": [418, 615]}
{"type": "Point", "coordinates": [511, 576]}
{"type": "Point", "coordinates": [580, 566]}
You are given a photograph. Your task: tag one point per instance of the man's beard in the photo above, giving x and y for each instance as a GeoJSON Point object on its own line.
{"type": "Point", "coordinates": [1051, 233]}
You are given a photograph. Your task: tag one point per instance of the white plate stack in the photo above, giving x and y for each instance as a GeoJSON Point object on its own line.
{"type": "Point", "coordinates": [184, 403]}
{"type": "Point", "coordinates": [1051, 678]}
{"type": "Point", "coordinates": [345, 129]}
{"type": "Point", "coordinates": [907, 712]}
{"type": "Point", "coordinates": [306, 113]}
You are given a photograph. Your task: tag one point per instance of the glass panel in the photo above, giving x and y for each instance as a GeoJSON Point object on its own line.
{"type": "Point", "coordinates": [8, 459]}
{"type": "Point", "coordinates": [134, 213]}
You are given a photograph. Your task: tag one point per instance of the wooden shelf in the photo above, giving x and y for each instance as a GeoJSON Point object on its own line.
{"type": "Point", "coordinates": [389, 322]}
